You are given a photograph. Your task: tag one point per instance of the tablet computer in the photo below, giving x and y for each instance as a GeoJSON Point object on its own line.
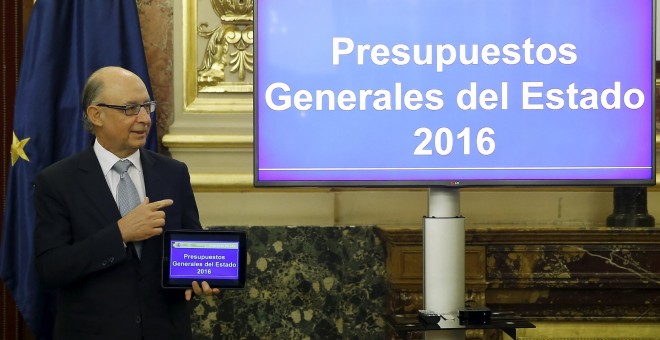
{"type": "Point", "coordinates": [217, 257]}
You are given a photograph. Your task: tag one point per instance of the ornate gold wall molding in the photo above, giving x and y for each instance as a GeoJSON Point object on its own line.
{"type": "Point", "coordinates": [208, 141]}
{"type": "Point", "coordinates": [217, 79]}
{"type": "Point", "coordinates": [209, 182]}
{"type": "Point", "coordinates": [227, 64]}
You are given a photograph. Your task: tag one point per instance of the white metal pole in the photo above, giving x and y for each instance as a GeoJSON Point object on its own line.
{"type": "Point", "coordinates": [444, 258]}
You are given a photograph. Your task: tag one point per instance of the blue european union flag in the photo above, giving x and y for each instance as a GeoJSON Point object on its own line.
{"type": "Point", "coordinates": [66, 41]}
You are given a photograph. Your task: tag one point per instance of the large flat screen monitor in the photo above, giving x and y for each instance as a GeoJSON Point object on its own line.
{"type": "Point", "coordinates": [454, 93]}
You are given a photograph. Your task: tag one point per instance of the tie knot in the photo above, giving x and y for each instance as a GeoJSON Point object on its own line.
{"type": "Point", "coordinates": [122, 166]}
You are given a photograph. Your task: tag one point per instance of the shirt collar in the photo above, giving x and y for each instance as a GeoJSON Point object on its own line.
{"type": "Point", "coordinates": [107, 159]}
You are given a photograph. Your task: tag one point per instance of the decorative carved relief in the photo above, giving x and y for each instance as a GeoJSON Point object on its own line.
{"type": "Point", "coordinates": [227, 63]}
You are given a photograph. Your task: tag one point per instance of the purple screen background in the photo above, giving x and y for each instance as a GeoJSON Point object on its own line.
{"type": "Point", "coordinates": [614, 40]}
{"type": "Point", "coordinates": [225, 273]}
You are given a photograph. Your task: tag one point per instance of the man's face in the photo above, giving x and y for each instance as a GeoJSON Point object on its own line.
{"type": "Point", "coordinates": [120, 134]}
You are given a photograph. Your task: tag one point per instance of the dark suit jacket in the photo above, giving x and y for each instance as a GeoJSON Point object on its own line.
{"type": "Point", "coordinates": [103, 292]}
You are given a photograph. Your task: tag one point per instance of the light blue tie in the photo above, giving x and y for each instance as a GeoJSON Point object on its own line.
{"type": "Point", "coordinates": [127, 195]}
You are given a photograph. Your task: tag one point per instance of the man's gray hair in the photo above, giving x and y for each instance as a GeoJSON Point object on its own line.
{"type": "Point", "coordinates": [90, 92]}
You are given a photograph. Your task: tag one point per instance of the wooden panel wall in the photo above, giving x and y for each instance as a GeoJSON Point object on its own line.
{"type": "Point", "coordinates": [609, 276]}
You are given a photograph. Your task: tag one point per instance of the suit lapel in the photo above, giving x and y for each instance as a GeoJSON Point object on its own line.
{"type": "Point", "coordinates": [152, 187]}
{"type": "Point", "coordinates": [95, 187]}
{"type": "Point", "coordinates": [152, 179]}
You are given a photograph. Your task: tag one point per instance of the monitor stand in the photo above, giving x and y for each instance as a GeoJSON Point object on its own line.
{"type": "Point", "coordinates": [444, 259]}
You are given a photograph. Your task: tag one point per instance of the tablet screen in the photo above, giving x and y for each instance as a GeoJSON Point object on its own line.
{"type": "Point", "coordinates": [217, 257]}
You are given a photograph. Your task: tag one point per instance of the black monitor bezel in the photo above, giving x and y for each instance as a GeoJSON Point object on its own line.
{"type": "Point", "coordinates": [446, 183]}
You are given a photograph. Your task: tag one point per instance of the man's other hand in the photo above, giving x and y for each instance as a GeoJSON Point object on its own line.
{"type": "Point", "coordinates": [203, 290]}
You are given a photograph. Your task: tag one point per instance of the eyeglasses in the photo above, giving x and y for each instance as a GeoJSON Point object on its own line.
{"type": "Point", "coordinates": [132, 109]}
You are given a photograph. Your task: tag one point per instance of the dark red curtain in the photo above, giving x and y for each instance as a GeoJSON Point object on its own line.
{"type": "Point", "coordinates": [14, 16]}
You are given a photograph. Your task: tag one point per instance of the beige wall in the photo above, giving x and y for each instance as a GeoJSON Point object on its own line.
{"type": "Point", "coordinates": [212, 133]}
{"type": "Point", "coordinates": [405, 207]}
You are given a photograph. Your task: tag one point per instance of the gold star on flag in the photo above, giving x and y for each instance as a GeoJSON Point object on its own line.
{"type": "Point", "coordinates": [17, 149]}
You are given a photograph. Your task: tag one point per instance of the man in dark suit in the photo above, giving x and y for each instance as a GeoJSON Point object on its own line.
{"type": "Point", "coordinates": [106, 267]}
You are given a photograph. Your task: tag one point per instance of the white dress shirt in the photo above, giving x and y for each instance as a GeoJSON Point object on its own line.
{"type": "Point", "coordinates": [107, 160]}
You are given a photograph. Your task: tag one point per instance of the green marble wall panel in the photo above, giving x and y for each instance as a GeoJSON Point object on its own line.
{"type": "Point", "coordinates": [303, 283]}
